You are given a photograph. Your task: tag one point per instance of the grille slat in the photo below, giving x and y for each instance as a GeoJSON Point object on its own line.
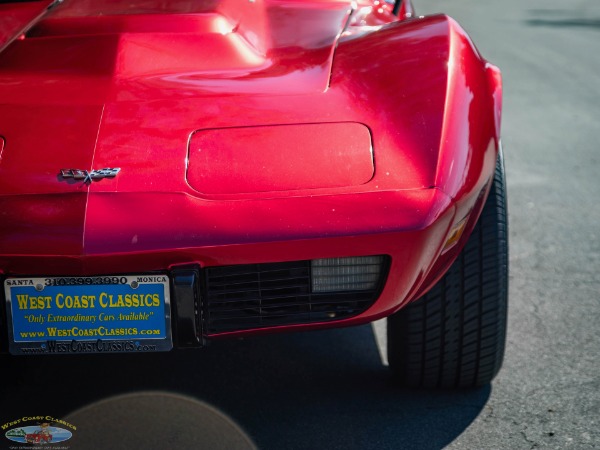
{"type": "Point", "coordinates": [265, 295]}
{"type": "Point", "coordinates": [224, 306]}
{"type": "Point", "coordinates": [229, 285]}
{"type": "Point", "coordinates": [223, 291]}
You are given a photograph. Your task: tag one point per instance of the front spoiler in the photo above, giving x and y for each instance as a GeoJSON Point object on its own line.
{"type": "Point", "coordinates": [408, 226]}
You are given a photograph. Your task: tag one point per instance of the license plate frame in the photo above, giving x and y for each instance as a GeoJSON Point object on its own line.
{"type": "Point", "coordinates": [99, 314]}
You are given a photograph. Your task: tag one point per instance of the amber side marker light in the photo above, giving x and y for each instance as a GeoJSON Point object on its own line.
{"type": "Point", "coordinates": [455, 234]}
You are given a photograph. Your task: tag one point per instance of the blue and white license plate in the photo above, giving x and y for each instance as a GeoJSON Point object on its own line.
{"type": "Point", "coordinates": [103, 314]}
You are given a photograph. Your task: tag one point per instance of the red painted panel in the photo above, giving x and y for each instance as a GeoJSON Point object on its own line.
{"type": "Point", "coordinates": [96, 8]}
{"type": "Point", "coordinates": [279, 158]}
{"type": "Point", "coordinates": [396, 78]}
{"type": "Point", "coordinates": [57, 25]}
{"type": "Point", "coordinates": [468, 144]}
{"type": "Point", "coordinates": [145, 222]}
{"type": "Point", "coordinates": [42, 225]}
{"type": "Point", "coordinates": [42, 140]}
{"type": "Point", "coordinates": [16, 18]}
{"type": "Point", "coordinates": [58, 71]}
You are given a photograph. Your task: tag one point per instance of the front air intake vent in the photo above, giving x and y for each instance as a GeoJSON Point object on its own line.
{"type": "Point", "coordinates": [265, 295]}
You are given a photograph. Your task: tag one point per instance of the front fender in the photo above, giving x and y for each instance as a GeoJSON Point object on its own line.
{"type": "Point", "coordinates": [432, 102]}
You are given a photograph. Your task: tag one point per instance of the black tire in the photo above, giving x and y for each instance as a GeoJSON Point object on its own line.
{"type": "Point", "coordinates": [454, 336]}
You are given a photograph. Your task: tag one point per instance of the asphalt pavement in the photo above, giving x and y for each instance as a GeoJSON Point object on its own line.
{"type": "Point", "coordinates": [548, 392]}
{"type": "Point", "coordinates": [330, 389]}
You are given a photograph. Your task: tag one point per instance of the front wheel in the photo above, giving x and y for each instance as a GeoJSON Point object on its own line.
{"type": "Point", "coordinates": [454, 336]}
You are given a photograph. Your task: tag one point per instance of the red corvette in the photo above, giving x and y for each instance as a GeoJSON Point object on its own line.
{"type": "Point", "coordinates": [173, 172]}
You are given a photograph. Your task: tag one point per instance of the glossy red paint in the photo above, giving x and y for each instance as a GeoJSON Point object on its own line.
{"type": "Point", "coordinates": [100, 84]}
{"type": "Point", "coordinates": [17, 18]}
{"type": "Point", "coordinates": [276, 158]}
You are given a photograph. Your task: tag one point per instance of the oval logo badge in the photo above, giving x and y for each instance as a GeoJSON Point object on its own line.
{"type": "Point", "coordinates": [39, 434]}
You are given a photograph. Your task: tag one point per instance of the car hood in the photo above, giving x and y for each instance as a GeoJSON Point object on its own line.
{"type": "Point", "coordinates": [99, 84]}
{"type": "Point", "coordinates": [92, 86]}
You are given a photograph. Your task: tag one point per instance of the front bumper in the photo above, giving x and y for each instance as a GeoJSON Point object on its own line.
{"type": "Point", "coordinates": [408, 227]}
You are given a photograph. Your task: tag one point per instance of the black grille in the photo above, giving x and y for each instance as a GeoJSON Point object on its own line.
{"type": "Point", "coordinates": [265, 295]}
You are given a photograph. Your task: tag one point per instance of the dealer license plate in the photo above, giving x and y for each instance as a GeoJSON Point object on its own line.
{"type": "Point", "coordinates": [104, 314]}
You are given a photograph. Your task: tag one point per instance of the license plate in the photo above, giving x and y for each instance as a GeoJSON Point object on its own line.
{"type": "Point", "coordinates": [105, 314]}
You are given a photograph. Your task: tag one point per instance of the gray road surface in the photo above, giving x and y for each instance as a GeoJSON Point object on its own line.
{"type": "Point", "coordinates": [330, 390]}
{"type": "Point", "coordinates": [548, 394]}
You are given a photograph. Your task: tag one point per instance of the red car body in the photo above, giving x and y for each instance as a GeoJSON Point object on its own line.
{"type": "Point", "coordinates": [37, 437]}
{"type": "Point", "coordinates": [245, 133]}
